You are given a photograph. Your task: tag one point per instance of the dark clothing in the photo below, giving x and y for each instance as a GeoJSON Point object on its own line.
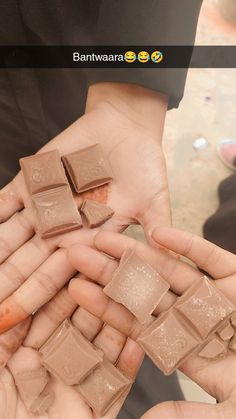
{"type": "Point", "coordinates": [37, 104]}
{"type": "Point", "coordinates": [220, 228]}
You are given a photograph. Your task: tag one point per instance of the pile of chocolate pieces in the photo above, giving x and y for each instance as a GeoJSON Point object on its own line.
{"type": "Point", "coordinates": [201, 322]}
{"type": "Point", "coordinates": [51, 196]}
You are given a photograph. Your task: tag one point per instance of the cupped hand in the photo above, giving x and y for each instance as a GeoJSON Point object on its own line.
{"type": "Point", "coordinates": [128, 122]}
{"type": "Point", "coordinates": [217, 377]}
{"type": "Point", "coordinates": [119, 350]}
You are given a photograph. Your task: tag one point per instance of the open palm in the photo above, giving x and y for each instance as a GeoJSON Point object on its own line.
{"type": "Point", "coordinates": [217, 377]}
{"type": "Point", "coordinates": [139, 193]}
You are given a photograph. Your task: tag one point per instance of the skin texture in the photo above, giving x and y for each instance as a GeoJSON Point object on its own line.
{"type": "Point", "coordinates": [126, 121]}
{"type": "Point", "coordinates": [68, 403]}
{"type": "Point", "coordinates": [216, 376]}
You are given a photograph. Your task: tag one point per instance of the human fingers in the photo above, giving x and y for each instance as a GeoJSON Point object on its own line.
{"type": "Point", "coordinates": [31, 378]}
{"type": "Point", "coordinates": [8, 395]}
{"type": "Point", "coordinates": [183, 410]}
{"type": "Point", "coordinates": [206, 255]}
{"type": "Point", "coordinates": [11, 340]}
{"type": "Point", "coordinates": [49, 317]}
{"type": "Point", "coordinates": [11, 199]}
{"type": "Point", "coordinates": [92, 298]}
{"type": "Point", "coordinates": [179, 274]}
{"type": "Point", "coordinates": [14, 233]}
{"type": "Point", "coordinates": [22, 263]}
{"type": "Point", "coordinates": [40, 287]}
{"type": "Point", "coordinates": [129, 362]}
{"type": "Point", "coordinates": [88, 324]}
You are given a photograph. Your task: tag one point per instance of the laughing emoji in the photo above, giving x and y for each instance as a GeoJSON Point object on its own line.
{"type": "Point", "coordinates": [157, 56]}
{"type": "Point", "coordinates": [130, 56]}
{"type": "Point", "coordinates": [143, 56]}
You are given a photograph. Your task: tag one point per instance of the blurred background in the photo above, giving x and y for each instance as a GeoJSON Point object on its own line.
{"type": "Point", "coordinates": [206, 115]}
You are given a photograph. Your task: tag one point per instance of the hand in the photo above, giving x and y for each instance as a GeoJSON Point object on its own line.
{"type": "Point", "coordinates": [128, 122]}
{"type": "Point", "coordinates": [216, 377]}
{"type": "Point", "coordinates": [68, 403]}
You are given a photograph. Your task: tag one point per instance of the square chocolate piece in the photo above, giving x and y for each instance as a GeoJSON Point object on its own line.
{"type": "Point", "coordinates": [68, 355]}
{"type": "Point", "coordinates": [43, 171]}
{"type": "Point", "coordinates": [56, 212]}
{"type": "Point", "coordinates": [137, 286]}
{"type": "Point", "coordinates": [204, 307]}
{"type": "Point", "coordinates": [95, 212]}
{"type": "Point", "coordinates": [167, 342]}
{"type": "Point", "coordinates": [104, 387]}
{"type": "Point", "coordinates": [88, 168]}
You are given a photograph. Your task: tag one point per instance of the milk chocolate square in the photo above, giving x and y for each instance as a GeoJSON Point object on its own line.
{"type": "Point", "coordinates": [214, 349]}
{"type": "Point", "coordinates": [56, 212]}
{"type": "Point", "coordinates": [95, 212]}
{"type": "Point", "coordinates": [226, 331]}
{"type": "Point", "coordinates": [204, 306]}
{"type": "Point", "coordinates": [137, 286]}
{"type": "Point", "coordinates": [88, 168]}
{"type": "Point", "coordinates": [68, 355]}
{"type": "Point", "coordinates": [104, 387]}
{"type": "Point", "coordinates": [167, 342]}
{"type": "Point", "coordinates": [43, 171]}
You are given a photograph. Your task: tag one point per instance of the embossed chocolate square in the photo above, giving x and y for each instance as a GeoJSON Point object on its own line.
{"type": "Point", "coordinates": [103, 387]}
{"type": "Point", "coordinates": [88, 168]}
{"type": "Point", "coordinates": [56, 212]}
{"type": "Point", "coordinates": [137, 286]}
{"type": "Point", "coordinates": [68, 355]}
{"type": "Point", "coordinates": [43, 171]}
{"type": "Point", "coordinates": [204, 306]}
{"type": "Point", "coordinates": [168, 342]}
{"type": "Point", "coordinates": [95, 212]}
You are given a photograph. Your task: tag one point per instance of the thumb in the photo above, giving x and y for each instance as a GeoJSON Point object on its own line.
{"type": "Point", "coordinates": [157, 214]}
{"type": "Point", "coordinates": [182, 410]}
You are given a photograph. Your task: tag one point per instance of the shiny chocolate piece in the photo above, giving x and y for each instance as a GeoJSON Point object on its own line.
{"type": "Point", "coordinates": [226, 331]}
{"type": "Point", "coordinates": [137, 286]}
{"type": "Point", "coordinates": [204, 306]}
{"type": "Point", "coordinates": [88, 168]}
{"type": "Point", "coordinates": [56, 212]}
{"type": "Point", "coordinates": [214, 349]}
{"type": "Point", "coordinates": [168, 342]}
{"type": "Point", "coordinates": [42, 403]}
{"type": "Point", "coordinates": [31, 383]}
{"type": "Point", "coordinates": [233, 319]}
{"type": "Point", "coordinates": [68, 355]}
{"type": "Point", "coordinates": [95, 212]}
{"type": "Point", "coordinates": [43, 171]}
{"type": "Point", "coordinates": [232, 344]}
{"type": "Point", "coordinates": [104, 387]}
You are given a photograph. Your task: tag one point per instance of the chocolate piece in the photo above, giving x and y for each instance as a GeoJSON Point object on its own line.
{"type": "Point", "coordinates": [68, 355]}
{"type": "Point", "coordinates": [232, 344]}
{"type": "Point", "coordinates": [31, 383]}
{"type": "Point", "coordinates": [56, 212]}
{"type": "Point", "coordinates": [167, 342]}
{"type": "Point", "coordinates": [43, 171]}
{"type": "Point", "coordinates": [103, 387]}
{"type": "Point", "coordinates": [95, 213]}
{"type": "Point", "coordinates": [88, 168]}
{"type": "Point", "coordinates": [226, 331]}
{"type": "Point", "coordinates": [42, 403]}
{"type": "Point", "coordinates": [137, 286]}
{"type": "Point", "coordinates": [233, 319]}
{"type": "Point", "coordinates": [213, 349]}
{"type": "Point", "coordinates": [204, 306]}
